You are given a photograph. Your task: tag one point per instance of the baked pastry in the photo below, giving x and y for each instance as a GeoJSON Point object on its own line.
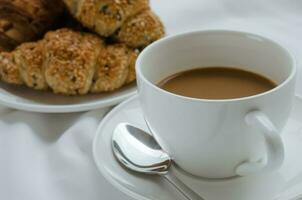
{"type": "Point", "coordinates": [69, 62]}
{"type": "Point", "coordinates": [112, 69]}
{"type": "Point", "coordinates": [141, 30]}
{"type": "Point", "coordinates": [131, 21]}
{"type": "Point", "coordinates": [29, 60]}
{"type": "Point", "coordinates": [105, 16]}
{"type": "Point", "coordinates": [26, 20]}
{"type": "Point", "coordinates": [7, 42]}
{"type": "Point", "coordinates": [70, 59]}
{"type": "Point", "coordinates": [73, 62]}
{"type": "Point", "coordinates": [9, 71]}
{"type": "Point", "coordinates": [133, 54]}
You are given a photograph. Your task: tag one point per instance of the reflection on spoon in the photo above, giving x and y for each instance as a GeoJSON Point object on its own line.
{"type": "Point", "coordinates": [139, 151]}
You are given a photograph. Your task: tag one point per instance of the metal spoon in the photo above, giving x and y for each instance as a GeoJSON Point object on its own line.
{"type": "Point", "coordinates": [139, 151]}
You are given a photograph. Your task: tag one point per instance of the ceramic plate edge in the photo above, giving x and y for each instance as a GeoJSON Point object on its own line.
{"type": "Point", "coordinates": [67, 108]}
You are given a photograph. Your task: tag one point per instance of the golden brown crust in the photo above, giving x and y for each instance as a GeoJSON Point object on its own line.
{"type": "Point", "coordinates": [29, 59]}
{"type": "Point", "coordinates": [70, 61]}
{"type": "Point", "coordinates": [133, 7]}
{"type": "Point", "coordinates": [105, 16]}
{"type": "Point", "coordinates": [133, 54]}
{"type": "Point", "coordinates": [112, 69]}
{"type": "Point", "coordinates": [102, 16]}
{"type": "Point", "coordinates": [9, 71]}
{"type": "Point", "coordinates": [141, 30]}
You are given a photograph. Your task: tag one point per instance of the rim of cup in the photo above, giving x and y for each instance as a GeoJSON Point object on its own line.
{"type": "Point", "coordinates": [138, 64]}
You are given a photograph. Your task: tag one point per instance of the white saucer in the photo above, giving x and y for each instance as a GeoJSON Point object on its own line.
{"type": "Point", "coordinates": [285, 184]}
{"type": "Point", "coordinates": [23, 98]}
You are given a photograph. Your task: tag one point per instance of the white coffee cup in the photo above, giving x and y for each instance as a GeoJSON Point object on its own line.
{"type": "Point", "coordinates": [218, 138]}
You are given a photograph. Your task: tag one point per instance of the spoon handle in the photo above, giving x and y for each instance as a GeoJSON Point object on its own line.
{"type": "Point", "coordinates": [188, 193]}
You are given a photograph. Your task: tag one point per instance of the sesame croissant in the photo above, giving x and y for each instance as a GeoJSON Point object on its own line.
{"type": "Point", "coordinates": [69, 62]}
{"type": "Point", "coordinates": [128, 21]}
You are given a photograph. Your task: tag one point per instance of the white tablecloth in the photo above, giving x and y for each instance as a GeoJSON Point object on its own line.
{"type": "Point", "coordinates": [48, 156]}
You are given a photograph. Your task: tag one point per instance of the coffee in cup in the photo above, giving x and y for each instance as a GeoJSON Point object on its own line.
{"type": "Point", "coordinates": [216, 83]}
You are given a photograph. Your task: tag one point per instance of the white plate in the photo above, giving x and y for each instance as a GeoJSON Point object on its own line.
{"type": "Point", "coordinates": [46, 102]}
{"type": "Point", "coordinates": [285, 184]}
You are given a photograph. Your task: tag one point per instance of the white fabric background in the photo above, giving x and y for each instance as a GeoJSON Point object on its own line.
{"type": "Point", "coordinates": [48, 156]}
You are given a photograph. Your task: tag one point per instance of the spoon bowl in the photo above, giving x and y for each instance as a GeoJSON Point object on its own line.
{"type": "Point", "coordinates": [138, 151]}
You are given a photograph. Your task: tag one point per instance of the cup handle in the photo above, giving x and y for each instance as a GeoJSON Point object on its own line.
{"type": "Point", "coordinates": [274, 145]}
